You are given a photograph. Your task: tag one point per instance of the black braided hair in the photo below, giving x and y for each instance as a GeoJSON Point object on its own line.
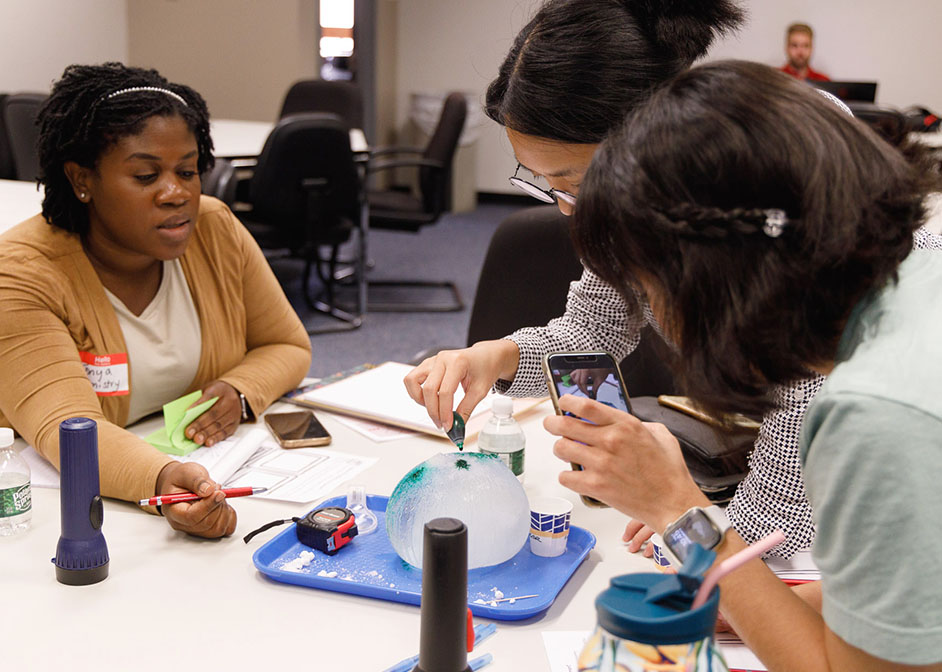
{"type": "Point", "coordinates": [695, 220]}
{"type": "Point", "coordinates": [79, 122]}
{"type": "Point", "coordinates": [578, 67]}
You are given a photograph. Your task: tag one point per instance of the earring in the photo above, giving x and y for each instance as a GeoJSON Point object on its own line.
{"type": "Point", "coordinates": [82, 196]}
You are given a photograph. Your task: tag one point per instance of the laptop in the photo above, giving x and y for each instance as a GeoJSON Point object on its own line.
{"type": "Point", "coordinates": [849, 91]}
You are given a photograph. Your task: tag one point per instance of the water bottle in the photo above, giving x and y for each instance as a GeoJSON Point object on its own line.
{"type": "Point", "coordinates": [16, 502]}
{"type": "Point", "coordinates": [503, 437]}
{"type": "Point", "coordinates": [645, 623]}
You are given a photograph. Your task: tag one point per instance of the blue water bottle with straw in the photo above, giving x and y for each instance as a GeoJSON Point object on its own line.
{"type": "Point", "coordinates": [645, 622]}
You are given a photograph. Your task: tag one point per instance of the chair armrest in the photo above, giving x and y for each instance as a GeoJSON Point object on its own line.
{"type": "Point", "coordinates": [381, 151]}
{"type": "Point", "coordinates": [376, 166]}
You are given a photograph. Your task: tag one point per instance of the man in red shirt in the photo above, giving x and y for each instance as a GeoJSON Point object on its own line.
{"type": "Point", "coordinates": [798, 39]}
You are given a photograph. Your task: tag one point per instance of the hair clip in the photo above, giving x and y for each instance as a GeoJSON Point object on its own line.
{"type": "Point", "coordinates": [775, 221]}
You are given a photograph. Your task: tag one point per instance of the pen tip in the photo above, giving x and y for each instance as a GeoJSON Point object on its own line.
{"type": "Point", "coordinates": [256, 491]}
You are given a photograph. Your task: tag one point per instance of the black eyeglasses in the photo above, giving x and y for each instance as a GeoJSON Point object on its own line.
{"type": "Point", "coordinates": [545, 195]}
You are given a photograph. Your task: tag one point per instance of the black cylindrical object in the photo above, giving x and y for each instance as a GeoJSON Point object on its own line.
{"type": "Point", "coordinates": [82, 554]}
{"type": "Point", "coordinates": [443, 644]}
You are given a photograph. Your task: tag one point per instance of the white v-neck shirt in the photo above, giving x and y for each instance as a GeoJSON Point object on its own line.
{"type": "Point", "coordinates": [164, 343]}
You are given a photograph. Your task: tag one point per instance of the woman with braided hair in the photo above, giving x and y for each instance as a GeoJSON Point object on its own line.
{"type": "Point", "coordinates": [773, 236]}
{"type": "Point", "coordinates": [572, 74]}
{"type": "Point", "coordinates": [131, 289]}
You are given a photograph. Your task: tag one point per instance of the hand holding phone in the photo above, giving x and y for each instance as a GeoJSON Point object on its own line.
{"type": "Point", "coordinates": [297, 429]}
{"type": "Point", "coordinates": [593, 375]}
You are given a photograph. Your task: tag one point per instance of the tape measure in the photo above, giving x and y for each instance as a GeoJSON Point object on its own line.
{"type": "Point", "coordinates": [327, 529]}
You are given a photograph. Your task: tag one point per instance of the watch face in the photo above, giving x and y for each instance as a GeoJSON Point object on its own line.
{"type": "Point", "coordinates": [694, 527]}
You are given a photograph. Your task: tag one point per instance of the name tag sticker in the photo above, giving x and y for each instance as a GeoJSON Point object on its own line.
{"type": "Point", "coordinates": [108, 374]}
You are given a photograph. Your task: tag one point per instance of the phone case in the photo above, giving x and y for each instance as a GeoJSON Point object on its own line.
{"type": "Point", "coordinates": [311, 442]}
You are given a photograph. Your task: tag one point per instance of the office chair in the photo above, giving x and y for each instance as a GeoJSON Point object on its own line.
{"type": "Point", "coordinates": [399, 210]}
{"type": "Point", "coordinates": [888, 122]}
{"type": "Point", "coordinates": [306, 193]}
{"type": "Point", "coordinates": [19, 111]}
{"type": "Point", "coordinates": [524, 281]}
{"type": "Point", "coordinates": [7, 169]}
{"type": "Point", "coordinates": [345, 99]}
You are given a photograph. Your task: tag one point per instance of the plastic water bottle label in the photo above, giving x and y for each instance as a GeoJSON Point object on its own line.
{"type": "Point", "coordinates": [15, 501]}
{"type": "Point", "coordinates": [514, 460]}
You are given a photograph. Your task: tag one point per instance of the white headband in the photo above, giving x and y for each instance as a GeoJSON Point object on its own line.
{"type": "Point", "coordinates": [134, 89]}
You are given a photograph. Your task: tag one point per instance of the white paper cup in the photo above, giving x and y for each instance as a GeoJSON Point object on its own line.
{"type": "Point", "coordinates": [549, 525]}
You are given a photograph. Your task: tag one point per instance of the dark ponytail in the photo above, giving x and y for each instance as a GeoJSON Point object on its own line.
{"type": "Point", "coordinates": [579, 66]}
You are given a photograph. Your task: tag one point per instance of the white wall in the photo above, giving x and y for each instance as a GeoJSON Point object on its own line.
{"type": "Point", "coordinates": [893, 43]}
{"type": "Point", "coordinates": [241, 55]}
{"type": "Point", "coordinates": [39, 38]}
{"type": "Point", "coordinates": [459, 44]}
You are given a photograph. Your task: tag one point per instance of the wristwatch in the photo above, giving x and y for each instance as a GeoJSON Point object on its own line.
{"type": "Point", "coordinates": [245, 407]}
{"type": "Point", "coordinates": [704, 526]}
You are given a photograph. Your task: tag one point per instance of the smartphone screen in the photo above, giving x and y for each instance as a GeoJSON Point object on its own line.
{"type": "Point", "coordinates": [591, 375]}
{"type": "Point", "coordinates": [297, 429]}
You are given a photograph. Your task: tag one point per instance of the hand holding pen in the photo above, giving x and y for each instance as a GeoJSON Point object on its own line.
{"type": "Point", "coordinates": [210, 515]}
{"type": "Point", "coordinates": [177, 497]}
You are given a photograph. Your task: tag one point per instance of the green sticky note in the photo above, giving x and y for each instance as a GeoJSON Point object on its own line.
{"type": "Point", "coordinates": [160, 440]}
{"type": "Point", "coordinates": [177, 417]}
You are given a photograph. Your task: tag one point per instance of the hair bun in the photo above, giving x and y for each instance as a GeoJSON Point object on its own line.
{"type": "Point", "coordinates": [685, 27]}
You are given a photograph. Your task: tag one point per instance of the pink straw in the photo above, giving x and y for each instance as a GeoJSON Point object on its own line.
{"type": "Point", "coordinates": [735, 562]}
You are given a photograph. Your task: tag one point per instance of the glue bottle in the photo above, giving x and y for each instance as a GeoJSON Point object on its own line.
{"type": "Point", "coordinates": [16, 502]}
{"type": "Point", "coordinates": [503, 437]}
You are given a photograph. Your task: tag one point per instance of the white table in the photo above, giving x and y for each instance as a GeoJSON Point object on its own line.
{"type": "Point", "coordinates": [173, 601]}
{"type": "Point", "coordinates": [236, 138]}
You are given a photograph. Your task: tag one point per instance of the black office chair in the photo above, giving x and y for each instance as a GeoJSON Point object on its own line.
{"type": "Point", "coordinates": [524, 281]}
{"type": "Point", "coordinates": [19, 111]}
{"type": "Point", "coordinates": [306, 193]}
{"type": "Point", "coordinates": [345, 99]}
{"type": "Point", "coordinates": [525, 278]}
{"type": "Point", "coordinates": [7, 169]}
{"type": "Point", "coordinates": [400, 210]}
{"type": "Point", "coordinates": [888, 122]}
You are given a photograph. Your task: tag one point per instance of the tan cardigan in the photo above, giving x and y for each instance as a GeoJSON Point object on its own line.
{"type": "Point", "coordinates": [52, 305]}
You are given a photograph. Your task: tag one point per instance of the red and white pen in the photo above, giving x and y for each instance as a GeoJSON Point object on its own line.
{"type": "Point", "coordinates": [177, 497]}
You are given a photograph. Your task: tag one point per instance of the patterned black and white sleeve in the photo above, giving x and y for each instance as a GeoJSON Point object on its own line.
{"type": "Point", "coordinates": [924, 239]}
{"type": "Point", "coordinates": [596, 318]}
{"type": "Point", "coordinates": [772, 495]}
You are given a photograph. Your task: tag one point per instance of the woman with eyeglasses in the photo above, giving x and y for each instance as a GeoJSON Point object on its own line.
{"type": "Point", "coordinates": [761, 270]}
{"type": "Point", "coordinates": [573, 73]}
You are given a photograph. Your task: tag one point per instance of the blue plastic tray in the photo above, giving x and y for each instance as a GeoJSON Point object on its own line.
{"type": "Point", "coordinates": [370, 567]}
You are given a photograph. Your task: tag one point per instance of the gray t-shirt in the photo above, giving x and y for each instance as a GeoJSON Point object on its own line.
{"type": "Point", "coordinates": [871, 450]}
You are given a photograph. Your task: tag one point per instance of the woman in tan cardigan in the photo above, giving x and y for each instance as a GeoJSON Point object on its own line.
{"type": "Point", "coordinates": [131, 289]}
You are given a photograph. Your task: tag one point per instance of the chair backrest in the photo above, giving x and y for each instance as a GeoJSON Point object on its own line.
{"type": "Point", "coordinates": [306, 147]}
{"type": "Point", "coordinates": [19, 111]}
{"type": "Point", "coordinates": [7, 170]}
{"type": "Point", "coordinates": [525, 280]}
{"type": "Point", "coordinates": [888, 122]}
{"type": "Point", "coordinates": [434, 185]}
{"type": "Point", "coordinates": [345, 99]}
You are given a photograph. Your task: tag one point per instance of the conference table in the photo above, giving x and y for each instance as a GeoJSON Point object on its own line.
{"type": "Point", "coordinates": [238, 138]}
{"type": "Point", "coordinates": [174, 601]}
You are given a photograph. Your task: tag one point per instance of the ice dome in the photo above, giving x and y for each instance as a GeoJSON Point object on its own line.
{"type": "Point", "coordinates": [479, 490]}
